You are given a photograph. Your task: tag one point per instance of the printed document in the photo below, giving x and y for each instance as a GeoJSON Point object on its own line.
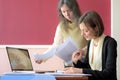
{"type": "Point", "coordinates": [64, 51]}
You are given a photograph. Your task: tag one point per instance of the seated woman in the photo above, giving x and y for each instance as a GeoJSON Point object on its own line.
{"type": "Point", "coordinates": [100, 60]}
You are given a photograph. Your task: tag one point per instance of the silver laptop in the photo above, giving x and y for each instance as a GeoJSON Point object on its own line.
{"type": "Point", "coordinates": [20, 60]}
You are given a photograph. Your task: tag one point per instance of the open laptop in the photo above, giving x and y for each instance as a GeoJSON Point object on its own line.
{"type": "Point", "coordinates": [20, 60]}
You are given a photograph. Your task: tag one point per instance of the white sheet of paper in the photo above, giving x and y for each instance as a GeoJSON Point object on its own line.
{"type": "Point", "coordinates": [66, 49]}
{"type": "Point", "coordinates": [67, 74]}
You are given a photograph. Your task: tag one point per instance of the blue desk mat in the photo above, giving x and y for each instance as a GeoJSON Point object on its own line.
{"type": "Point", "coordinates": [26, 77]}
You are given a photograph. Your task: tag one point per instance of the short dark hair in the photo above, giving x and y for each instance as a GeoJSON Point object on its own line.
{"type": "Point", "coordinates": [93, 20]}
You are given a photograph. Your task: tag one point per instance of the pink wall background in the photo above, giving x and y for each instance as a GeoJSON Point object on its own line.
{"type": "Point", "coordinates": [35, 21]}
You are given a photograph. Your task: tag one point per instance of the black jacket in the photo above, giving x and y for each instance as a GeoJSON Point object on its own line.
{"type": "Point", "coordinates": [109, 57]}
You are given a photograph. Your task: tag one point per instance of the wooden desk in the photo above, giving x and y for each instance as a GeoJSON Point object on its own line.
{"type": "Point", "coordinates": [71, 78]}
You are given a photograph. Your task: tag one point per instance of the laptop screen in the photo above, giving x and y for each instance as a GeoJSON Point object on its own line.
{"type": "Point", "coordinates": [19, 59]}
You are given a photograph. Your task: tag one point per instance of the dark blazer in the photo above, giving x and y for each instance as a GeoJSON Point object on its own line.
{"type": "Point", "coordinates": [109, 57]}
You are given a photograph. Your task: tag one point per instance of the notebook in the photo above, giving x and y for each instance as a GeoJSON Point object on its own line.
{"type": "Point", "coordinates": [20, 60]}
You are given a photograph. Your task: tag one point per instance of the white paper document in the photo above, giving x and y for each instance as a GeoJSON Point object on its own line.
{"type": "Point", "coordinates": [64, 51]}
{"type": "Point", "coordinates": [67, 74]}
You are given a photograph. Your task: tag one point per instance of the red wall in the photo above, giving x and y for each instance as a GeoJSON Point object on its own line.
{"type": "Point", "coordinates": [35, 21]}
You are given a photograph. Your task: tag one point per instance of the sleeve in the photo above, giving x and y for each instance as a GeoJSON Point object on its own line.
{"type": "Point", "coordinates": [109, 70]}
{"type": "Point", "coordinates": [58, 39]}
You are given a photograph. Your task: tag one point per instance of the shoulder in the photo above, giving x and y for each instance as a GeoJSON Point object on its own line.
{"type": "Point", "coordinates": [59, 26]}
{"type": "Point", "coordinates": [110, 41]}
{"type": "Point", "coordinates": [107, 41]}
{"type": "Point", "coordinates": [60, 23]}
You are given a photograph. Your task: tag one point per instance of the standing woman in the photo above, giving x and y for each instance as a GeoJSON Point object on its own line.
{"type": "Point", "coordinates": [101, 55]}
{"type": "Point", "coordinates": [69, 14]}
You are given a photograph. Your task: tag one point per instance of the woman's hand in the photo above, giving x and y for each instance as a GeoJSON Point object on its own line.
{"type": "Point", "coordinates": [77, 55]}
{"type": "Point", "coordinates": [38, 61]}
{"type": "Point", "coordinates": [72, 70]}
